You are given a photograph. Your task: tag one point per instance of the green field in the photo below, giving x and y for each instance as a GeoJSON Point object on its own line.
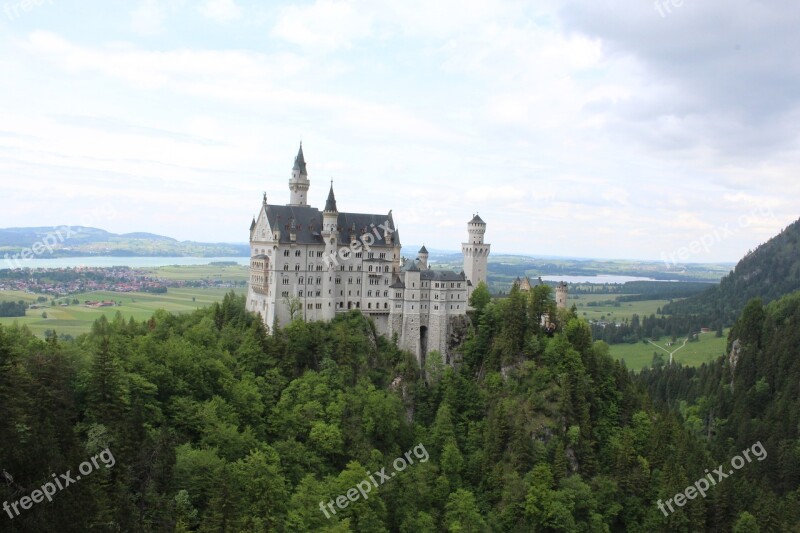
{"type": "Point", "coordinates": [76, 319]}
{"type": "Point", "coordinates": [199, 272]}
{"type": "Point", "coordinates": [640, 355]}
{"type": "Point", "coordinates": [608, 311]}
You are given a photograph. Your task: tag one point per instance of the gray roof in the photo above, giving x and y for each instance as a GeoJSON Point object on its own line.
{"type": "Point", "coordinates": [308, 224]}
{"type": "Point", "coordinates": [441, 275]}
{"type": "Point", "coordinates": [300, 161]}
{"type": "Point", "coordinates": [412, 265]}
{"type": "Point", "coordinates": [477, 220]}
{"type": "Point", "coordinates": [423, 250]}
{"type": "Point", "coordinates": [398, 283]}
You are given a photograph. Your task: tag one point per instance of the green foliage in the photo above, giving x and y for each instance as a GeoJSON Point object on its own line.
{"type": "Point", "coordinates": [217, 426]}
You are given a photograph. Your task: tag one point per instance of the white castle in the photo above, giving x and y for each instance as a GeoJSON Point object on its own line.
{"type": "Point", "coordinates": [313, 264]}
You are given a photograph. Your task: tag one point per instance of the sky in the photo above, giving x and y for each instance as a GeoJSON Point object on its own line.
{"type": "Point", "coordinates": [604, 129]}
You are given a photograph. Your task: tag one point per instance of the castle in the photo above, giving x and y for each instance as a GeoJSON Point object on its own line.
{"type": "Point", "coordinates": [313, 264]}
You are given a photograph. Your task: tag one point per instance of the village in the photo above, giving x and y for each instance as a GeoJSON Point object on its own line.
{"type": "Point", "coordinates": [61, 282]}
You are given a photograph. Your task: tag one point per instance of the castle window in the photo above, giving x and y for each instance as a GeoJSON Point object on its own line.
{"type": "Point", "coordinates": [358, 255]}
{"type": "Point", "coordinates": [459, 285]}
{"type": "Point", "coordinates": [369, 293]}
{"type": "Point", "coordinates": [358, 281]}
{"type": "Point", "coordinates": [286, 267]}
{"type": "Point", "coordinates": [370, 268]}
{"type": "Point", "coordinates": [297, 268]}
{"type": "Point", "coordinates": [370, 255]}
{"type": "Point", "coordinates": [286, 253]}
{"type": "Point", "coordinates": [285, 281]}
{"type": "Point", "coordinates": [385, 305]}
{"type": "Point", "coordinates": [297, 253]}
{"type": "Point", "coordinates": [338, 280]}
{"type": "Point", "coordinates": [359, 268]}
{"type": "Point", "coordinates": [300, 280]}
{"type": "Point", "coordinates": [382, 255]}
{"type": "Point", "coordinates": [310, 280]}
{"type": "Point", "coordinates": [349, 280]}
{"type": "Point", "coordinates": [350, 268]}
{"type": "Point", "coordinates": [435, 296]}
{"type": "Point", "coordinates": [319, 306]}
{"type": "Point", "coordinates": [318, 294]}
{"type": "Point", "coordinates": [310, 253]}
{"type": "Point", "coordinates": [319, 280]}
{"type": "Point", "coordinates": [319, 268]}
{"type": "Point", "coordinates": [319, 254]}
{"type": "Point", "coordinates": [300, 294]}
{"type": "Point", "coordinates": [435, 307]}
{"type": "Point", "coordinates": [310, 306]}
{"type": "Point", "coordinates": [385, 294]}
{"type": "Point", "coordinates": [369, 306]}
{"type": "Point", "coordinates": [285, 294]}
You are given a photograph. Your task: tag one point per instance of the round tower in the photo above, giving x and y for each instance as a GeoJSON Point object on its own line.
{"type": "Point", "coordinates": [476, 252]}
{"type": "Point", "coordinates": [299, 184]}
{"type": "Point", "coordinates": [561, 295]}
{"type": "Point", "coordinates": [330, 236]}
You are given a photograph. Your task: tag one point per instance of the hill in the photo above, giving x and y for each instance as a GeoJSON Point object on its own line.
{"type": "Point", "coordinates": [83, 241]}
{"type": "Point", "coordinates": [769, 272]}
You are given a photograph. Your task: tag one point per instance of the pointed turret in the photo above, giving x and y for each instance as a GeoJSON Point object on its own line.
{"type": "Point", "coordinates": [299, 184]}
{"type": "Point", "coordinates": [300, 161]}
{"type": "Point", "coordinates": [423, 257]}
{"type": "Point", "coordinates": [330, 204]}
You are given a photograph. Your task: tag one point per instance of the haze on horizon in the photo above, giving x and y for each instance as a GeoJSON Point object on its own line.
{"type": "Point", "coordinates": [605, 130]}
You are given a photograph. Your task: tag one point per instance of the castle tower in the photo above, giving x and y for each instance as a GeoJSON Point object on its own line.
{"type": "Point", "coordinates": [476, 252]}
{"type": "Point", "coordinates": [299, 184]}
{"type": "Point", "coordinates": [423, 257]}
{"type": "Point", "coordinates": [330, 235]}
{"type": "Point", "coordinates": [561, 295]}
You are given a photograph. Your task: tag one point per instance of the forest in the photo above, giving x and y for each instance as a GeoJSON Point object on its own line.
{"type": "Point", "coordinates": [216, 426]}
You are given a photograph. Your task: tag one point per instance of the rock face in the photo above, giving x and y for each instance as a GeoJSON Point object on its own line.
{"type": "Point", "coordinates": [733, 358]}
{"type": "Point", "coordinates": [457, 329]}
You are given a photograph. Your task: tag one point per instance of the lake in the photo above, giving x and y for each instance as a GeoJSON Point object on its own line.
{"type": "Point", "coordinates": [133, 262]}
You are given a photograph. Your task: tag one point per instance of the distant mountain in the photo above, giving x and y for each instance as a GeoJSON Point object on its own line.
{"type": "Point", "coordinates": [769, 272]}
{"type": "Point", "coordinates": [82, 241]}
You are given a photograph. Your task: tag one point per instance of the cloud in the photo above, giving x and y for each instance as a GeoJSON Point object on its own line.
{"type": "Point", "coordinates": [718, 75]}
{"type": "Point", "coordinates": [220, 10]}
{"type": "Point", "coordinates": [148, 17]}
{"type": "Point", "coordinates": [324, 26]}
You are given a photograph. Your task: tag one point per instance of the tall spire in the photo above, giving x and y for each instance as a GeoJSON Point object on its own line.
{"type": "Point", "coordinates": [299, 184]}
{"type": "Point", "coordinates": [330, 205]}
{"type": "Point", "coordinates": [300, 161]}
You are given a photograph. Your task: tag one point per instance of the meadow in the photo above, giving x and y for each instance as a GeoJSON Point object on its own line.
{"type": "Point", "coordinates": [640, 355]}
{"type": "Point", "coordinates": [76, 319]}
{"type": "Point", "coordinates": [609, 309]}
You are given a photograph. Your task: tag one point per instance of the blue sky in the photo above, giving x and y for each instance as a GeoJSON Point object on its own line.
{"type": "Point", "coordinates": [605, 129]}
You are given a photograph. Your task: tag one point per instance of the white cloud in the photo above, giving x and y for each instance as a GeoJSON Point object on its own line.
{"type": "Point", "coordinates": [220, 10]}
{"type": "Point", "coordinates": [324, 26]}
{"type": "Point", "coordinates": [148, 17]}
